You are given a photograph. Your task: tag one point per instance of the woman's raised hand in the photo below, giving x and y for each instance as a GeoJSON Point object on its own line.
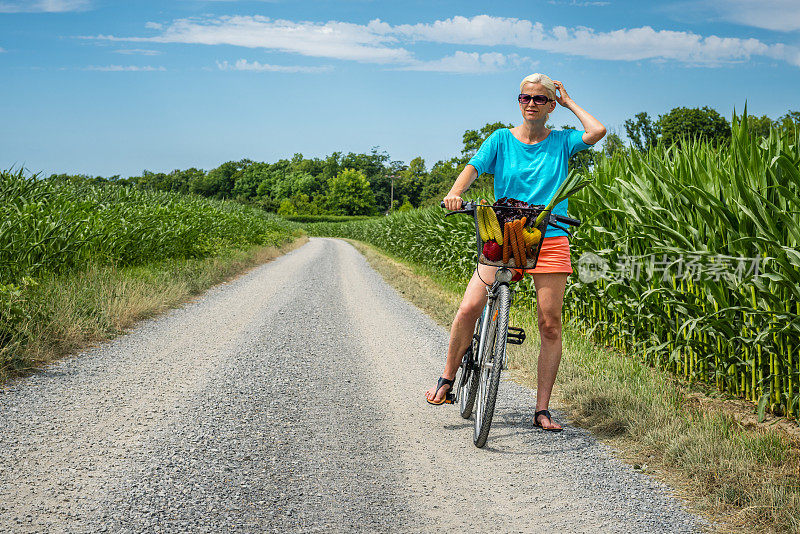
{"type": "Point", "coordinates": [561, 94]}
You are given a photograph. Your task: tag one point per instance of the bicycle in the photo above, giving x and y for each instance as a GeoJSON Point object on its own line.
{"type": "Point", "coordinates": [479, 374]}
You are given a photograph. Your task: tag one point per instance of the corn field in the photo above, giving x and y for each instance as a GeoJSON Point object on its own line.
{"type": "Point", "coordinates": [57, 226]}
{"type": "Point", "coordinates": [50, 225]}
{"type": "Point", "coordinates": [688, 257]}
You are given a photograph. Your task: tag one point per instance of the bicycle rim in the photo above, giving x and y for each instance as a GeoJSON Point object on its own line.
{"type": "Point", "coordinates": [468, 380]}
{"type": "Point", "coordinates": [492, 362]}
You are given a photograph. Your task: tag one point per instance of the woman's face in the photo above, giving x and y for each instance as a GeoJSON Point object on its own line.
{"type": "Point", "coordinates": [531, 111]}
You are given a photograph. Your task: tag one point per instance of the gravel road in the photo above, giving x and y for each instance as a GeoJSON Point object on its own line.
{"type": "Point", "coordinates": [291, 399]}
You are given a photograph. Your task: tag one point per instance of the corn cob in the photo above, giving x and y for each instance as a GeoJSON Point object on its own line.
{"type": "Point", "coordinates": [506, 245]}
{"type": "Point", "coordinates": [482, 229]}
{"type": "Point", "coordinates": [494, 226]}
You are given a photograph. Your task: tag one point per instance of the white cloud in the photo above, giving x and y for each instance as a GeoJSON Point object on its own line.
{"type": "Point", "coordinates": [243, 64]}
{"type": "Point", "coordinates": [382, 43]}
{"type": "Point", "coordinates": [465, 62]}
{"type": "Point", "coordinates": [154, 26]}
{"type": "Point", "coordinates": [340, 40]}
{"type": "Point", "coordinates": [625, 44]}
{"type": "Point", "coordinates": [138, 51]}
{"type": "Point", "coordinates": [479, 30]}
{"type": "Point", "coordinates": [44, 6]}
{"type": "Point", "coordinates": [124, 68]}
{"type": "Point", "coordinates": [780, 15]}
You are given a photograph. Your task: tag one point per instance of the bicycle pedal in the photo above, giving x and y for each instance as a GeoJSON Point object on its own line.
{"type": "Point", "coordinates": [515, 335]}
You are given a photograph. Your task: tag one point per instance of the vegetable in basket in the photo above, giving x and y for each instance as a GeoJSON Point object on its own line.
{"type": "Point", "coordinates": [574, 183]}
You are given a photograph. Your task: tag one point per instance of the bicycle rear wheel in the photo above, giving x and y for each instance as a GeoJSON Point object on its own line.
{"type": "Point", "coordinates": [468, 379]}
{"type": "Point", "coordinates": [491, 364]}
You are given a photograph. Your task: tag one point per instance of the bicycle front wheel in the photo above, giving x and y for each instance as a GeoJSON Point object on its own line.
{"type": "Point", "coordinates": [491, 364]}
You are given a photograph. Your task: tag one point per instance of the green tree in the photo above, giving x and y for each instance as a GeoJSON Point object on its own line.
{"type": "Point", "coordinates": [286, 208]}
{"type": "Point", "coordinates": [349, 193]}
{"type": "Point", "coordinates": [441, 178]}
{"type": "Point", "coordinates": [303, 165]}
{"type": "Point", "coordinates": [371, 165]}
{"type": "Point", "coordinates": [182, 180]}
{"type": "Point", "coordinates": [330, 166]}
{"type": "Point", "coordinates": [642, 132]}
{"type": "Point", "coordinates": [701, 124]}
{"type": "Point", "coordinates": [760, 126]}
{"type": "Point", "coordinates": [406, 206]}
{"type": "Point", "coordinates": [411, 180]}
{"type": "Point", "coordinates": [790, 119]}
{"type": "Point", "coordinates": [305, 206]}
{"type": "Point", "coordinates": [473, 139]}
{"type": "Point", "coordinates": [374, 167]}
{"type": "Point", "coordinates": [612, 144]}
{"type": "Point", "coordinates": [219, 182]}
{"type": "Point", "coordinates": [307, 184]}
{"type": "Point", "coordinates": [249, 180]}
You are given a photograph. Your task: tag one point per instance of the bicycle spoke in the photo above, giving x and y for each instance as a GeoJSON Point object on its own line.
{"type": "Point", "coordinates": [491, 362]}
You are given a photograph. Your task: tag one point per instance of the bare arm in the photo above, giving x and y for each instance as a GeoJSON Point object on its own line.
{"type": "Point", "coordinates": [453, 199]}
{"type": "Point", "coordinates": [594, 129]}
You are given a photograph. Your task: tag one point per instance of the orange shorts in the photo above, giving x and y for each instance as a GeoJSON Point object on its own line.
{"type": "Point", "coordinates": [554, 256]}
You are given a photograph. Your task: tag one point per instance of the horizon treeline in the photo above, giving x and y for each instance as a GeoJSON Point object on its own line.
{"type": "Point", "coordinates": [372, 183]}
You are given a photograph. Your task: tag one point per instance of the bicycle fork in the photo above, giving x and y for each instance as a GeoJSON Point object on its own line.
{"type": "Point", "coordinates": [514, 336]}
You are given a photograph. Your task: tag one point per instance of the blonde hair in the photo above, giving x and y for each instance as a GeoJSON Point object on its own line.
{"type": "Point", "coordinates": [543, 79]}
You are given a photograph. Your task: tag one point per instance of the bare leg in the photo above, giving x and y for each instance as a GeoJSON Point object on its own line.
{"type": "Point", "coordinates": [464, 325]}
{"type": "Point", "coordinates": [549, 299]}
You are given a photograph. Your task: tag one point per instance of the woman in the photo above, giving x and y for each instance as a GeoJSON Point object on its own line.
{"type": "Point", "coordinates": [529, 162]}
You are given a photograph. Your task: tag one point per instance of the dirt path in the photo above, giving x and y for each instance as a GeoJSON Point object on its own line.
{"type": "Point", "coordinates": [292, 399]}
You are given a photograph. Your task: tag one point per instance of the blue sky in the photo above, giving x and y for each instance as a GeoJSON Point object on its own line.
{"type": "Point", "coordinates": [107, 87]}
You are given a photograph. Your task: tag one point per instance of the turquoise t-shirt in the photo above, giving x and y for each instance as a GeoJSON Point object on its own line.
{"type": "Point", "coordinates": [530, 173]}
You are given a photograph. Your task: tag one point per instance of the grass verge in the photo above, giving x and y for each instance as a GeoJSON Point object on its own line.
{"type": "Point", "coordinates": [743, 478]}
{"type": "Point", "coordinates": [65, 313]}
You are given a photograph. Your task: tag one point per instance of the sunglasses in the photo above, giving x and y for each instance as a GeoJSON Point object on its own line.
{"type": "Point", "coordinates": [539, 100]}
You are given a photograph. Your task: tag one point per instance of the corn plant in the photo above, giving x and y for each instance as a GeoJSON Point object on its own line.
{"type": "Point", "coordinates": [51, 225]}
{"type": "Point", "coordinates": [715, 205]}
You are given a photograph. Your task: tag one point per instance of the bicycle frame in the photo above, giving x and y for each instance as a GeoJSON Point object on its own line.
{"type": "Point", "coordinates": [486, 323]}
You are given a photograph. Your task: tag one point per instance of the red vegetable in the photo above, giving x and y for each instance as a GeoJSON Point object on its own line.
{"type": "Point", "coordinates": [492, 251]}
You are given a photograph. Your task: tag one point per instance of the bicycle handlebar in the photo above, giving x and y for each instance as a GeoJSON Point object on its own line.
{"type": "Point", "coordinates": [567, 220]}
{"type": "Point", "coordinates": [466, 207]}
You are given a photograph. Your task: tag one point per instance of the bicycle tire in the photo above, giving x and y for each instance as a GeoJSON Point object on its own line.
{"type": "Point", "coordinates": [468, 381]}
{"type": "Point", "coordinates": [494, 355]}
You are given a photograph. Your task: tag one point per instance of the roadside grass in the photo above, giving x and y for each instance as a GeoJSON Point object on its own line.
{"type": "Point", "coordinates": [743, 478]}
{"type": "Point", "coordinates": [67, 312]}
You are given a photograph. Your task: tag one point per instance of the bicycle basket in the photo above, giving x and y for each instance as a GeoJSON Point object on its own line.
{"type": "Point", "coordinates": [512, 214]}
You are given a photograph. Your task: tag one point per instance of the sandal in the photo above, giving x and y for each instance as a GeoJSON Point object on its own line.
{"type": "Point", "coordinates": [449, 398]}
{"type": "Point", "coordinates": [537, 424]}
